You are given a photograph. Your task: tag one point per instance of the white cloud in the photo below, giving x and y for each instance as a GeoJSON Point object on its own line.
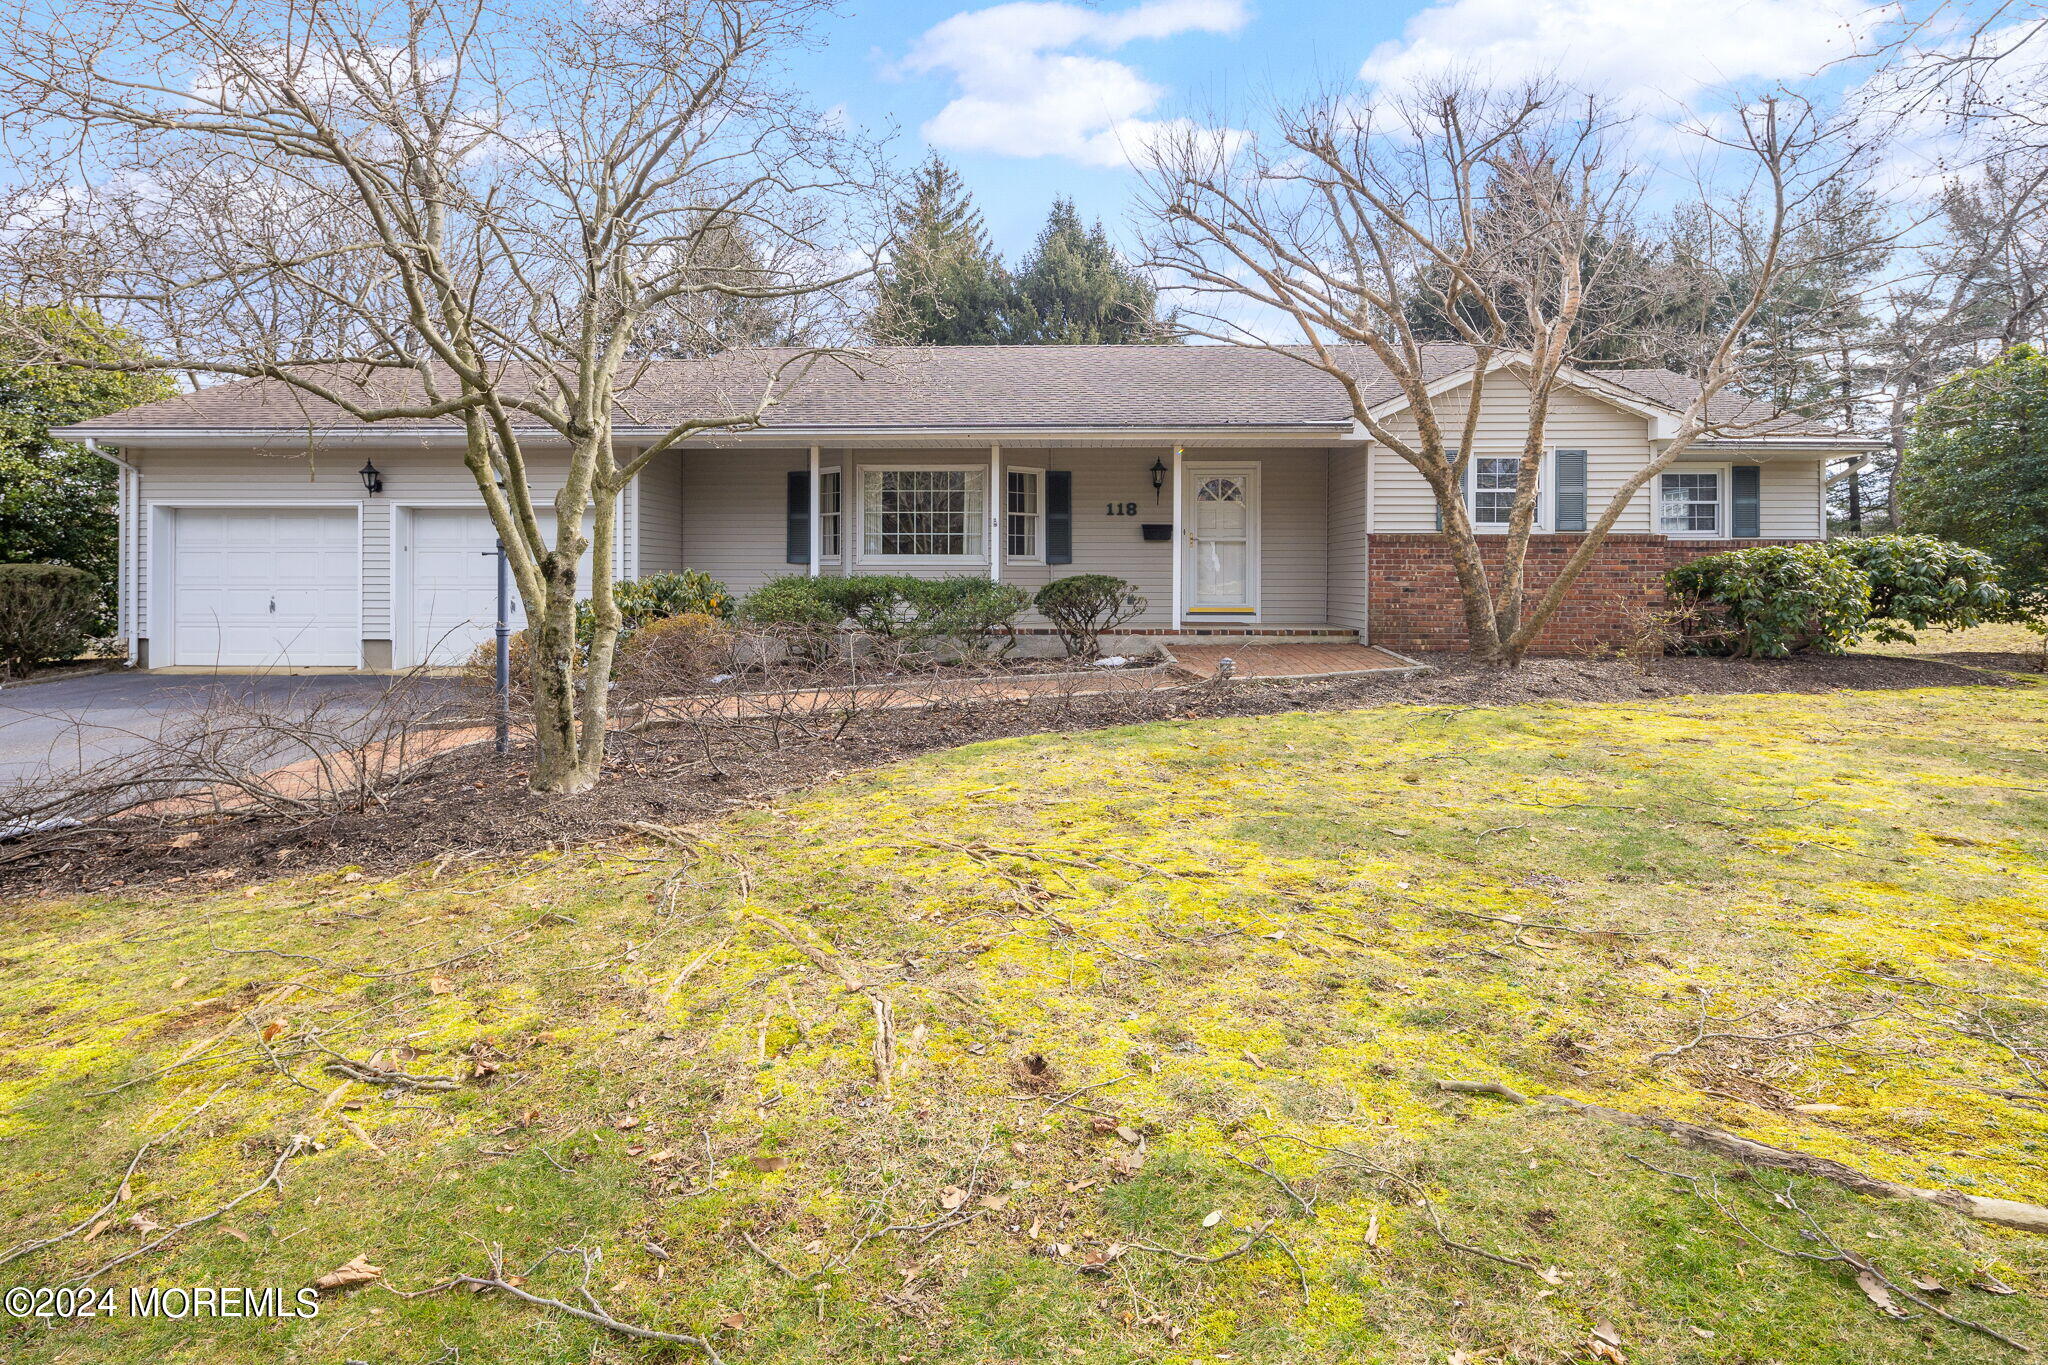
{"type": "Point", "coordinates": [1654, 56]}
{"type": "Point", "coordinates": [1024, 89]}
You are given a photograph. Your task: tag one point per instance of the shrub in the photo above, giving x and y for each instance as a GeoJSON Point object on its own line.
{"type": "Point", "coordinates": [47, 613]}
{"type": "Point", "coordinates": [480, 671]}
{"type": "Point", "coordinates": [657, 597]}
{"type": "Point", "coordinates": [1920, 581]}
{"type": "Point", "coordinates": [792, 601]}
{"type": "Point", "coordinates": [1081, 607]}
{"type": "Point", "coordinates": [878, 603]}
{"type": "Point", "coordinates": [967, 611]}
{"type": "Point", "coordinates": [1769, 601]}
{"type": "Point", "coordinates": [675, 654]}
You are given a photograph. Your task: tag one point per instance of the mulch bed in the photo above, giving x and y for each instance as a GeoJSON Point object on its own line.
{"type": "Point", "coordinates": [473, 803]}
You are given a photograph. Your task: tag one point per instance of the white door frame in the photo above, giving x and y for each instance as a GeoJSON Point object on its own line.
{"type": "Point", "coordinates": [1193, 474]}
{"type": "Point", "coordinates": [160, 550]}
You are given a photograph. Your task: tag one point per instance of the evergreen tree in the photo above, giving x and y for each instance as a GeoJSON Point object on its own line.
{"type": "Point", "coordinates": [1077, 291]}
{"type": "Point", "coordinates": [1976, 471]}
{"type": "Point", "coordinates": [944, 284]}
{"type": "Point", "coordinates": [57, 500]}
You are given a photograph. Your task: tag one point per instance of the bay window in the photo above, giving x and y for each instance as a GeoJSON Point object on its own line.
{"type": "Point", "coordinates": [923, 513]}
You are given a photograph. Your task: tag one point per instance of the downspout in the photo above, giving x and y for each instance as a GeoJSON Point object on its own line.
{"type": "Point", "coordinates": [128, 518]}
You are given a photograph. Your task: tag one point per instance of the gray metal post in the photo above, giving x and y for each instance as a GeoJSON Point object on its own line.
{"type": "Point", "coordinates": [504, 672]}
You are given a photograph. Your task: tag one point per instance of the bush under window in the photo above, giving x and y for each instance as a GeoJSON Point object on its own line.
{"type": "Point", "coordinates": [47, 613]}
{"type": "Point", "coordinates": [1081, 607]}
{"type": "Point", "coordinates": [1769, 601]}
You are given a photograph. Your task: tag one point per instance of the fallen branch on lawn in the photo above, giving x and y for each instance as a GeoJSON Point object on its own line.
{"type": "Point", "coordinates": [1421, 1197]}
{"type": "Point", "coordinates": [1876, 1285]}
{"type": "Point", "coordinates": [2009, 1213]}
{"type": "Point", "coordinates": [1702, 1035]}
{"type": "Point", "coordinates": [114, 1200]}
{"type": "Point", "coordinates": [274, 1177]}
{"type": "Point", "coordinates": [1193, 1258]}
{"type": "Point", "coordinates": [1278, 1179]}
{"type": "Point", "coordinates": [595, 1313]}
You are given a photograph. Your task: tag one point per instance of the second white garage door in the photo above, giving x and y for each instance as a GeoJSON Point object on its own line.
{"type": "Point", "coordinates": [265, 588]}
{"type": "Point", "coordinates": [452, 572]}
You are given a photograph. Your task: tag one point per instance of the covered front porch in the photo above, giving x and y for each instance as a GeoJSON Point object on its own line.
{"type": "Point", "coordinates": [1221, 540]}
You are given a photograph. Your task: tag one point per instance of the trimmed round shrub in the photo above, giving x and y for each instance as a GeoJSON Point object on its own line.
{"type": "Point", "coordinates": [793, 600]}
{"type": "Point", "coordinates": [1084, 605]}
{"type": "Point", "coordinates": [47, 613]}
{"type": "Point", "coordinates": [1769, 601]}
{"type": "Point", "coordinates": [878, 603]}
{"type": "Point", "coordinates": [966, 611]}
{"type": "Point", "coordinates": [480, 671]}
{"type": "Point", "coordinates": [1922, 581]}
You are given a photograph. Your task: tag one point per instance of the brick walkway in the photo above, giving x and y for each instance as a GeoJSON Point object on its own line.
{"type": "Point", "coordinates": [1285, 661]}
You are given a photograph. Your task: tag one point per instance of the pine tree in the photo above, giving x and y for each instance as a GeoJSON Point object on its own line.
{"type": "Point", "coordinates": [944, 284]}
{"type": "Point", "coordinates": [1077, 291]}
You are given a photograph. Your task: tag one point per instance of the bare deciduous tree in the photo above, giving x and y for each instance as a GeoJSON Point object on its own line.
{"type": "Point", "coordinates": [500, 213]}
{"type": "Point", "coordinates": [1498, 211]}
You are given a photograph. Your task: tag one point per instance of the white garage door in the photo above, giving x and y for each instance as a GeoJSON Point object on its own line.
{"type": "Point", "coordinates": [452, 603]}
{"type": "Point", "coordinates": [265, 588]}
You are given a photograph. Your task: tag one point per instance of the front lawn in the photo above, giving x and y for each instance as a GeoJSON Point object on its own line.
{"type": "Point", "coordinates": [981, 1057]}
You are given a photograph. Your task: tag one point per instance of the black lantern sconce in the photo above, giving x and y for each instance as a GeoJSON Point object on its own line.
{"type": "Point", "coordinates": [373, 478]}
{"type": "Point", "coordinates": [1158, 478]}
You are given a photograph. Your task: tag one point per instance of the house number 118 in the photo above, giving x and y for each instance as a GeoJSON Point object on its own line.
{"type": "Point", "coordinates": [1123, 509]}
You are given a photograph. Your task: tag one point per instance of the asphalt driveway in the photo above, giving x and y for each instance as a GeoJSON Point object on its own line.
{"type": "Point", "coordinates": [54, 728]}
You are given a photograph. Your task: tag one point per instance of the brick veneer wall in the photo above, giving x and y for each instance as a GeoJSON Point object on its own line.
{"type": "Point", "coordinates": [1413, 601]}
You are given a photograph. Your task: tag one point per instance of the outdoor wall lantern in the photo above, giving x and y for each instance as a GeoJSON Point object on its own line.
{"type": "Point", "coordinates": [373, 478]}
{"type": "Point", "coordinates": [1158, 478]}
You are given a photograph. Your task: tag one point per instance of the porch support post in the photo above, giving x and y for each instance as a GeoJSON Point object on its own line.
{"type": "Point", "coordinates": [817, 522]}
{"type": "Point", "coordinates": [998, 499]}
{"type": "Point", "coordinates": [1178, 551]}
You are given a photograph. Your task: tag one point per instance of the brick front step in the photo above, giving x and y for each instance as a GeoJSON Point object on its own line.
{"type": "Point", "coordinates": [1413, 601]}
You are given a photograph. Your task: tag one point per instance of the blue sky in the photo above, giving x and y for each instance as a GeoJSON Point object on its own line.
{"type": "Point", "coordinates": [1034, 98]}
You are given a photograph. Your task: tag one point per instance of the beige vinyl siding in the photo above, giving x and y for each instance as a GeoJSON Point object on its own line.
{"type": "Point", "coordinates": [735, 519]}
{"type": "Point", "coordinates": [172, 478]}
{"type": "Point", "coordinates": [659, 498]}
{"type": "Point", "coordinates": [1616, 442]}
{"type": "Point", "coordinates": [1792, 501]}
{"type": "Point", "coordinates": [1294, 559]}
{"type": "Point", "coordinates": [1347, 538]}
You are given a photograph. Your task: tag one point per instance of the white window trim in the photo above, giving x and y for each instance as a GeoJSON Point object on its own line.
{"type": "Point", "coordinates": [1037, 477]}
{"type": "Point", "coordinates": [860, 512]}
{"type": "Point", "coordinates": [844, 520]}
{"type": "Point", "coordinates": [1724, 516]}
{"type": "Point", "coordinates": [1546, 489]}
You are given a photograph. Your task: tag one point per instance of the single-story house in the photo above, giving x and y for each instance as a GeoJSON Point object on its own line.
{"type": "Point", "coordinates": [1232, 486]}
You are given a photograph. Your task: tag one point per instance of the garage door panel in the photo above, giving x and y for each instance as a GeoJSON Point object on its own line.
{"type": "Point", "coordinates": [266, 587]}
{"type": "Point", "coordinates": [452, 592]}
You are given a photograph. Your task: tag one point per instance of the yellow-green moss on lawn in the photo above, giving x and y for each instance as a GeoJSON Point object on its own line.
{"type": "Point", "coordinates": [945, 1063]}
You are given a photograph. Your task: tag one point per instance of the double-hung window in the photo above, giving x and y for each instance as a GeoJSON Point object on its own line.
{"type": "Point", "coordinates": [830, 519]}
{"type": "Point", "coordinates": [1689, 502]}
{"type": "Point", "coordinates": [1024, 514]}
{"type": "Point", "coordinates": [1495, 479]}
{"type": "Point", "coordinates": [923, 513]}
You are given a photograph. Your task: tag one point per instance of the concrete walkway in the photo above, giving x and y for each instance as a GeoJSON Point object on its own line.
{"type": "Point", "coordinates": [1276, 662]}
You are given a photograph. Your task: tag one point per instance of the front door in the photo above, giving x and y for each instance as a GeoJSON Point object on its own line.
{"type": "Point", "coordinates": [1223, 536]}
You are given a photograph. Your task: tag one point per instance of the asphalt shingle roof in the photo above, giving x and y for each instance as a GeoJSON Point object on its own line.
{"type": "Point", "coordinates": [999, 387]}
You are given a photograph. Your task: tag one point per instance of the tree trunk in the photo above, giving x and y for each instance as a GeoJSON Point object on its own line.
{"type": "Point", "coordinates": [560, 765]}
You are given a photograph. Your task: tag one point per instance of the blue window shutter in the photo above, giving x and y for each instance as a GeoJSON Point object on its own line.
{"type": "Point", "coordinates": [799, 503]}
{"type": "Point", "coordinates": [1569, 468]}
{"type": "Point", "coordinates": [1745, 502]}
{"type": "Point", "coordinates": [1059, 516]}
